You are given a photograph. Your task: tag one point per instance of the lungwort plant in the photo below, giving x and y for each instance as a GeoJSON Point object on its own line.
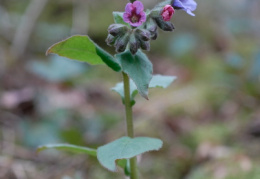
{"type": "Point", "coordinates": [130, 34]}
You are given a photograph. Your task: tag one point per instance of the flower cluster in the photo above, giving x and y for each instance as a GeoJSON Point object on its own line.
{"type": "Point", "coordinates": [143, 25]}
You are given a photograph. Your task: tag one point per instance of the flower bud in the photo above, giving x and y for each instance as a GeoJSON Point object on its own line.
{"type": "Point", "coordinates": [122, 42]}
{"type": "Point", "coordinates": [117, 29]}
{"type": "Point", "coordinates": [167, 12]}
{"type": "Point", "coordinates": [110, 40]}
{"type": "Point", "coordinates": [134, 44]}
{"type": "Point", "coordinates": [152, 28]}
{"type": "Point", "coordinates": [164, 25]}
{"type": "Point", "coordinates": [145, 45]}
{"type": "Point", "coordinates": [142, 34]}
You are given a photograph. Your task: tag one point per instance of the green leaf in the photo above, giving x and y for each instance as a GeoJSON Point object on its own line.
{"type": "Point", "coordinates": [69, 147]}
{"type": "Point", "coordinates": [83, 49]}
{"type": "Point", "coordinates": [118, 18]}
{"type": "Point", "coordinates": [108, 59]}
{"type": "Point", "coordinates": [125, 148]}
{"type": "Point", "coordinates": [161, 81]}
{"type": "Point", "coordinates": [157, 81]}
{"type": "Point", "coordinates": [139, 69]}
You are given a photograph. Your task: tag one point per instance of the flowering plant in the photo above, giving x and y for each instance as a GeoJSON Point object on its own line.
{"type": "Point", "coordinates": [132, 31]}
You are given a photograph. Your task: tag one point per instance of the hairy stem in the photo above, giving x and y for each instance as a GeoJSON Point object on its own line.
{"type": "Point", "coordinates": [129, 123]}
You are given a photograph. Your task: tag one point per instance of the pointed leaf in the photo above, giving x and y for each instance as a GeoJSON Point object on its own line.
{"type": "Point", "coordinates": [157, 81]}
{"type": "Point", "coordinates": [83, 49]}
{"type": "Point", "coordinates": [139, 69]}
{"type": "Point", "coordinates": [125, 148]}
{"type": "Point", "coordinates": [69, 147]}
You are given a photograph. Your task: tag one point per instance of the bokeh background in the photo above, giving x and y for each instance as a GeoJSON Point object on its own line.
{"type": "Point", "coordinates": [209, 119]}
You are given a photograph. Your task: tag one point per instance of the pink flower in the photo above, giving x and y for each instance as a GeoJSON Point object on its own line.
{"type": "Point", "coordinates": [134, 14]}
{"type": "Point", "coordinates": [167, 12]}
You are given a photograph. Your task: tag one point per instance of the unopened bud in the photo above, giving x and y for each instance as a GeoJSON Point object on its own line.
{"type": "Point", "coordinates": [154, 36]}
{"type": "Point", "coordinates": [134, 44]}
{"type": "Point", "coordinates": [145, 45]}
{"type": "Point", "coordinates": [122, 42]}
{"type": "Point", "coordinates": [117, 29]}
{"type": "Point", "coordinates": [152, 28]}
{"type": "Point", "coordinates": [142, 34]}
{"type": "Point", "coordinates": [110, 40]}
{"type": "Point", "coordinates": [164, 25]}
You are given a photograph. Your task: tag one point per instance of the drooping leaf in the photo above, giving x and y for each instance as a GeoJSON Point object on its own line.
{"type": "Point", "coordinates": [125, 148]}
{"type": "Point", "coordinates": [157, 81]}
{"type": "Point", "coordinates": [118, 18]}
{"type": "Point", "coordinates": [70, 148]}
{"type": "Point", "coordinates": [83, 49]}
{"type": "Point", "coordinates": [108, 59]}
{"type": "Point", "coordinates": [139, 68]}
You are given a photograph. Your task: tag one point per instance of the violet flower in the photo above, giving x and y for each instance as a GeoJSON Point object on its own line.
{"type": "Point", "coordinates": [186, 5]}
{"type": "Point", "coordinates": [134, 14]}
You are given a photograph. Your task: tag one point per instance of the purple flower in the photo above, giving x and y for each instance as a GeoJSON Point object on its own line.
{"type": "Point", "coordinates": [134, 14]}
{"type": "Point", "coordinates": [186, 5]}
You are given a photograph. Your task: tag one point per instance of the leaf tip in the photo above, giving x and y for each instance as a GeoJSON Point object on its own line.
{"type": "Point", "coordinates": [144, 95]}
{"type": "Point", "coordinates": [48, 51]}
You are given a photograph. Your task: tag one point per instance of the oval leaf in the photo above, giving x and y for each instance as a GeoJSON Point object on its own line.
{"type": "Point", "coordinates": [125, 148]}
{"type": "Point", "coordinates": [70, 148]}
{"type": "Point", "coordinates": [83, 49]}
{"type": "Point", "coordinates": [139, 69]}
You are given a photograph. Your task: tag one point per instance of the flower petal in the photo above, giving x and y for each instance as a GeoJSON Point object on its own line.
{"type": "Point", "coordinates": [136, 24]}
{"type": "Point", "coordinates": [129, 8]}
{"type": "Point", "coordinates": [186, 5]}
{"type": "Point", "coordinates": [177, 4]}
{"type": "Point", "coordinates": [139, 7]}
{"type": "Point", "coordinates": [190, 13]}
{"type": "Point", "coordinates": [143, 17]}
{"type": "Point", "coordinates": [191, 4]}
{"type": "Point", "coordinates": [127, 17]}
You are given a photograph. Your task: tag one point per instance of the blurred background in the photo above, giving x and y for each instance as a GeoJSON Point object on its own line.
{"type": "Point", "coordinates": [209, 119]}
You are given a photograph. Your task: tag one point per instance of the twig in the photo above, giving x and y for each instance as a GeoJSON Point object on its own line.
{"type": "Point", "coordinates": [26, 26]}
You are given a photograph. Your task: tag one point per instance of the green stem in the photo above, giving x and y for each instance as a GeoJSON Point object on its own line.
{"type": "Point", "coordinates": [132, 1]}
{"type": "Point", "coordinates": [129, 122]}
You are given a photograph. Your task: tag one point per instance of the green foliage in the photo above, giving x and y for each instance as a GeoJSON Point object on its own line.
{"type": "Point", "coordinates": [125, 148]}
{"type": "Point", "coordinates": [83, 49]}
{"type": "Point", "coordinates": [139, 69]}
{"type": "Point", "coordinates": [69, 147]}
{"type": "Point", "coordinates": [118, 18]}
{"type": "Point", "coordinates": [157, 81]}
{"type": "Point", "coordinates": [161, 81]}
